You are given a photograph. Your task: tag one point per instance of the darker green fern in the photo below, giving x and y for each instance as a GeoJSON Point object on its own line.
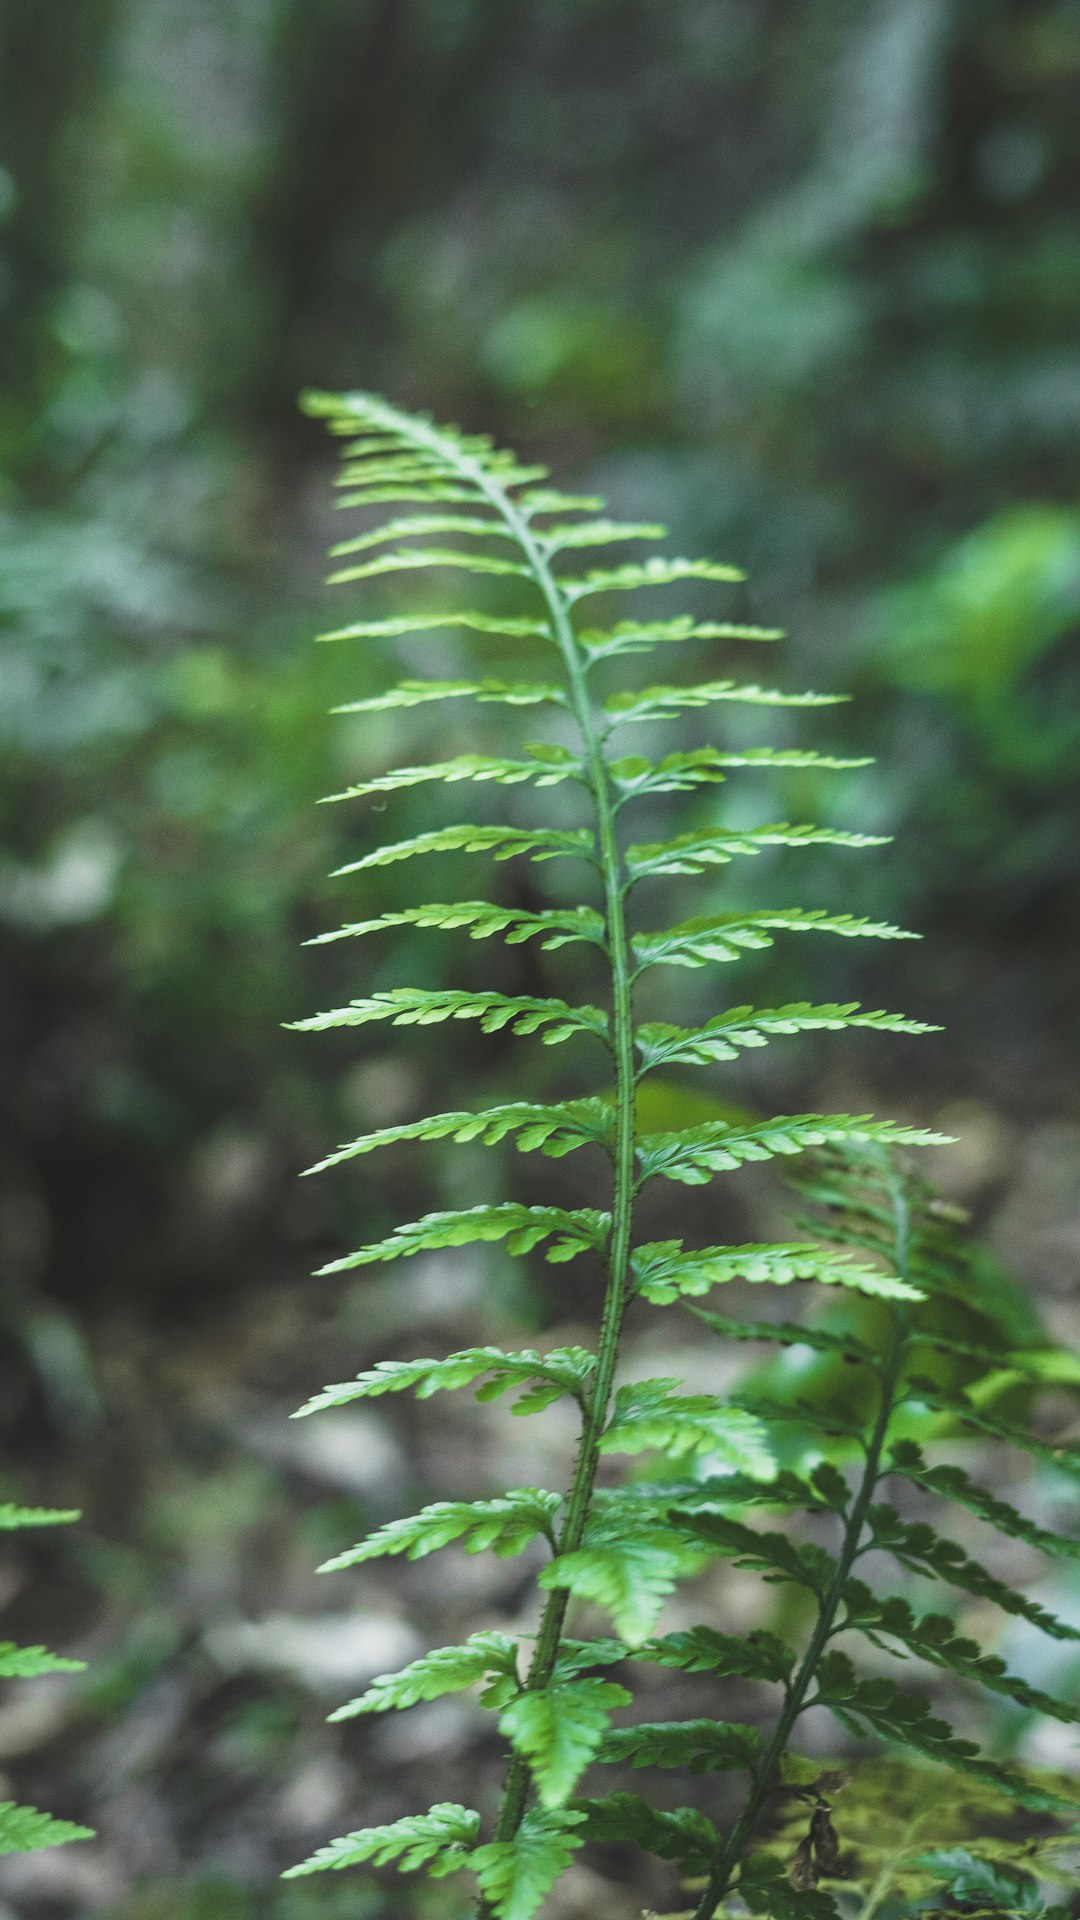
{"type": "Point", "coordinates": [867, 1200]}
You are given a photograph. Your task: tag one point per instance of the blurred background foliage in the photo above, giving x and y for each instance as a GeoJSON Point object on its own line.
{"type": "Point", "coordinates": [801, 280]}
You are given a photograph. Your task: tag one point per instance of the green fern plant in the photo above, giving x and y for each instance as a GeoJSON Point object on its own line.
{"type": "Point", "coordinates": [474, 509]}
{"type": "Point", "coordinates": [856, 1446]}
{"type": "Point", "coordinates": [24, 1829]}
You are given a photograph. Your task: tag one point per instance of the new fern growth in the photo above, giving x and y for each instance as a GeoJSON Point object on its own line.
{"type": "Point", "coordinates": [24, 1829]}
{"type": "Point", "coordinates": [456, 504]}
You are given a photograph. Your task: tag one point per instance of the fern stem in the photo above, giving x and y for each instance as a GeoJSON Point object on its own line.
{"type": "Point", "coordinates": [583, 1481]}
{"type": "Point", "coordinates": [719, 1881]}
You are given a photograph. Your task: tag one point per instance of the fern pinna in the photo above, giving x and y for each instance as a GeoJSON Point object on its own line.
{"type": "Point", "coordinates": [458, 504]}
{"type": "Point", "coordinates": [24, 1829]}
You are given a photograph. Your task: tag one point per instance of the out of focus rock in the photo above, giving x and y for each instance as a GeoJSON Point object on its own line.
{"type": "Point", "coordinates": [326, 1654]}
{"type": "Point", "coordinates": [353, 1450]}
{"type": "Point", "coordinates": [1036, 1232]}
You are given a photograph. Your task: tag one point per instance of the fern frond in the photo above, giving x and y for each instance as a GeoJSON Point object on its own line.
{"type": "Point", "coordinates": [718, 846]}
{"type": "Point", "coordinates": [772, 1554]}
{"type": "Point", "coordinates": [515, 1876]}
{"type": "Point", "coordinates": [26, 1663]}
{"type": "Point", "coordinates": [934, 1638]}
{"type": "Point", "coordinates": [723, 1037]}
{"type": "Point", "coordinates": [631, 1576]}
{"type": "Point", "coordinates": [484, 1656]}
{"type": "Point", "coordinates": [598, 533]}
{"type": "Point", "coordinates": [664, 1273]}
{"type": "Point", "coordinates": [917, 1546]}
{"type": "Point", "coordinates": [523, 1228]}
{"type": "Point", "coordinates": [635, 775]}
{"type": "Point", "coordinates": [559, 1730]}
{"type": "Point", "coordinates": [438, 1840]}
{"type": "Point", "coordinates": [624, 1819]}
{"type": "Point", "coordinates": [648, 1415]}
{"type": "Point", "coordinates": [419, 693]}
{"type": "Point", "coordinates": [548, 767]}
{"type": "Point", "coordinates": [824, 1491]}
{"type": "Point", "coordinates": [505, 1525]}
{"type": "Point", "coordinates": [967, 1414]}
{"type": "Point", "coordinates": [25, 1830]}
{"type": "Point", "coordinates": [907, 1720]}
{"type": "Point", "coordinates": [952, 1483]}
{"type": "Point", "coordinates": [760, 1656]}
{"type": "Point", "coordinates": [419, 525]}
{"type": "Point", "coordinates": [547, 1376]}
{"type": "Point", "coordinates": [658, 572]}
{"type": "Point", "coordinates": [555, 1130]}
{"type": "Point", "coordinates": [541, 501]}
{"type": "Point", "coordinates": [13, 1516]}
{"type": "Point", "coordinates": [693, 1154]}
{"type": "Point", "coordinates": [727, 936]}
{"type": "Point", "coordinates": [667, 702]}
{"type": "Point", "coordinates": [401, 624]}
{"type": "Point", "coordinates": [1049, 1365]}
{"type": "Point", "coordinates": [791, 1333]}
{"type": "Point", "coordinates": [624, 1549]}
{"type": "Point", "coordinates": [559, 927]}
{"type": "Point", "coordinates": [634, 636]}
{"type": "Point", "coordinates": [423, 1007]}
{"type": "Point", "coordinates": [701, 1746]}
{"type": "Point", "coordinates": [502, 842]}
{"type": "Point", "coordinates": [767, 1890]}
